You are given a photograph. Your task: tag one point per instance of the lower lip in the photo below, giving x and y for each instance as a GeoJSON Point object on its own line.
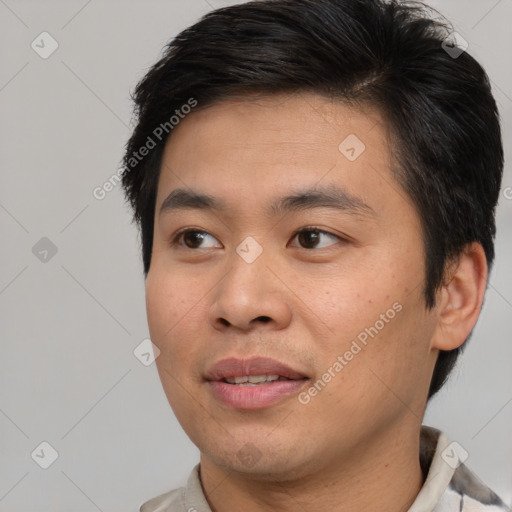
{"type": "Point", "coordinates": [255, 397]}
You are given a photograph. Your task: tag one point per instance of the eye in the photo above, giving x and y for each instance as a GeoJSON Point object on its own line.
{"type": "Point", "coordinates": [192, 238]}
{"type": "Point", "coordinates": [309, 237]}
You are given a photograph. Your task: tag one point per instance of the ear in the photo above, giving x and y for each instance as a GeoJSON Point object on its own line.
{"type": "Point", "coordinates": [460, 298]}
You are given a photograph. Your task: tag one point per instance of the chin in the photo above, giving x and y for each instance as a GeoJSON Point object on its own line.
{"type": "Point", "coordinates": [264, 462]}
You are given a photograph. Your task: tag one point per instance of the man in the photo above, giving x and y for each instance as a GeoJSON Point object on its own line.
{"type": "Point", "coordinates": [315, 182]}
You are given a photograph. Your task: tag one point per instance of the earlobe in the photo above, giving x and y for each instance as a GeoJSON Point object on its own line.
{"type": "Point", "coordinates": [460, 298]}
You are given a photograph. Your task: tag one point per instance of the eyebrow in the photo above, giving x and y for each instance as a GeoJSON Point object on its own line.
{"type": "Point", "coordinates": [330, 196]}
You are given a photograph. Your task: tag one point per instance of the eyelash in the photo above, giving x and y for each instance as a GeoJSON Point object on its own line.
{"type": "Point", "coordinates": [175, 240]}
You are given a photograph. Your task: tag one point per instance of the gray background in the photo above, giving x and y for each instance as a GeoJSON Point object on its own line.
{"type": "Point", "coordinates": [69, 325]}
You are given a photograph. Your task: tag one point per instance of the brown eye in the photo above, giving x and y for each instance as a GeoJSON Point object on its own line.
{"type": "Point", "coordinates": [309, 238]}
{"type": "Point", "coordinates": [192, 239]}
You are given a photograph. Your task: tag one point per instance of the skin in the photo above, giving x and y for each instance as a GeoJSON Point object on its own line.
{"type": "Point", "coordinates": [357, 440]}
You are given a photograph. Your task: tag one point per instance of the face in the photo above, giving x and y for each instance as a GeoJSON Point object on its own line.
{"type": "Point", "coordinates": [305, 264]}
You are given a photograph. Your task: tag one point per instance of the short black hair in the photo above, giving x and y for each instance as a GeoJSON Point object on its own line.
{"type": "Point", "coordinates": [444, 122]}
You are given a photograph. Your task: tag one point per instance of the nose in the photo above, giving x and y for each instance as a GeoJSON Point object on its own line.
{"type": "Point", "coordinates": [250, 294]}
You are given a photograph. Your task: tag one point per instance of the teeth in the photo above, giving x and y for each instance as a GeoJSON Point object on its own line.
{"type": "Point", "coordinates": [252, 380]}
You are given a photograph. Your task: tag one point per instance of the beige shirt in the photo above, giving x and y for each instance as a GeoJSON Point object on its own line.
{"type": "Point", "coordinates": [449, 486]}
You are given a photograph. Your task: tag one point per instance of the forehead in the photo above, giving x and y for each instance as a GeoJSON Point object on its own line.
{"type": "Point", "coordinates": [258, 146]}
{"type": "Point", "coordinates": [298, 122]}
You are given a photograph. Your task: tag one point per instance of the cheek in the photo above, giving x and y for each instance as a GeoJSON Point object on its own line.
{"type": "Point", "coordinates": [391, 371]}
{"type": "Point", "coordinates": [348, 303]}
{"type": "Point", "coordinates": [170, 315]}
{"type": "Point", "coordinates": [169, 299]}
{"type": "Point", "coordinates": [167, 307]}
{"type": "Point", "coordinates": [161, 306]}
{"type": "Point", "coordinates": [176, 318]}
{"type": "Point", "coordinates": [378, 318]}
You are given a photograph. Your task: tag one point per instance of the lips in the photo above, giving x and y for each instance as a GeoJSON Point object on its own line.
{"type": "Point", "coordinates": [255, 383]}
{"type": "Point", "coordinates": [257, 366]}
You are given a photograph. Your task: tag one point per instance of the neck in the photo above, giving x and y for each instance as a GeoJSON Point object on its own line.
{"type": "Point", "coordinates": [383, 474]}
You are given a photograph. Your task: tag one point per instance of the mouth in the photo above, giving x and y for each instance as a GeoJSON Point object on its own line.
{"type": "Point", "coordinates": [255, 370]}
{"type": "Point", "coordinates": [254, 383]}
{"type": "Point", "coordinates": [255, 380]}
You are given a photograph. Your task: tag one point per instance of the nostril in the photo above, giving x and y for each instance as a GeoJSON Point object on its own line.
{"type": "Point", "coordinates": [227, 323]}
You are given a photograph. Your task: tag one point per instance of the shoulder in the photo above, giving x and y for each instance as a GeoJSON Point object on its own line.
{"type": "Point", "coordinates": [185, 499]}
{"type": "Point", "coordinates": [450, 485]}
{"type": "Point", "coordinates": [472, 494]}
{"type": "Point", "coordinates": [172, 501]}
{"type": "Point", "coordinates": [452, 500]}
